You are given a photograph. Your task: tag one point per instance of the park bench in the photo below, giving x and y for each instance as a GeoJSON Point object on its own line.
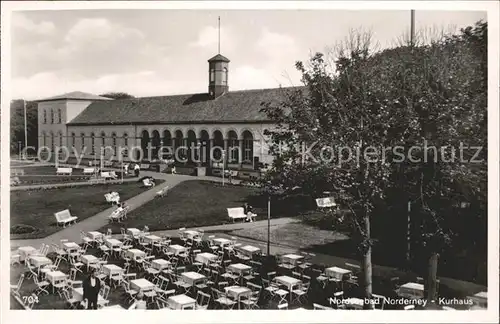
{"type": "Point", "coordinates": [162, 192]}
{"type": "Point", "coordinates": [14, 181]}
{"type": "Point", "coordinates": [89, 171]}
{"type": "Point", "coordinates": [109, 175]}
{"type": "Point", "coordinates": [145, 166]}
{"type": "Point", "coordinates": [327, 202]}
{"type": "Point", "coordinates": [64, 217]}
{"type": "Point", "coordinates": [148, 182]}
{"type": "Point", "coordinates": [64, 171]}
{"type": "Point", "coordinates": [237, 213]}
{"type": "Point", "coordinates": [112, 197]}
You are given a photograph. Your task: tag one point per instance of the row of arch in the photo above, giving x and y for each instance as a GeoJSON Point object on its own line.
{"type": "Point", "coordinates": [239, 149]}
{"type": "Point", "coordinates": [52, 116]}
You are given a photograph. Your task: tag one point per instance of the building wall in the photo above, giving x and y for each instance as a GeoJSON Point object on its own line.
{"type": "Point", "coordinates": [135, 132]}
{"type": "Point", "coordinates": [54, 125]}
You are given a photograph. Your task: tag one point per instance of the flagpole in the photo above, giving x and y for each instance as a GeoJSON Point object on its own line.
{"type": "Point", "coordinates": [412, 28]}
{"type": "Point", "coordinates": [219, 36]}
{"type": "Point", "coordinates": [25, 129]}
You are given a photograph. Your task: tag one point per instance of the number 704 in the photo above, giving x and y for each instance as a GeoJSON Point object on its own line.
{"type": "Point", "coordinates": [30, 299]}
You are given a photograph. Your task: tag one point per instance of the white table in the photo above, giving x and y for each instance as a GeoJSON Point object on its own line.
{"type": "Point", "coordinates": [289, 282]}
{"type": "Point", "coordinates": [95, 235]}
{"type": "Point", "coordinates": [181, 302]}
{"type": "Point", "coordinates": [78, 295]}
{"type": "Point", "coordinates": [176, 248]}
{"type": "Point", "coordinates": [71, 246]}
{"type": "Point", "coordinates": [222, 241]}
{"type": "Point", "coordinates": [191, 234]}
{"type": "Point", "coordinates": [142, 285]}
{"type": "Point", "coordinates": [250, 250]}
{"type": "Point", "coordinates": [236, 292]}
{"type": "Point", "coordinates": [337, 273]}
{"type": "Point", "coordinates": [135, 254]}
{"type": "Point", "coordinates": [292, 258]}
{"type": "Point", "coordinates": [111, 269]}
{"type": "Point", "coordinates": [89, 259]}
{"type": "Point", "coordinates": [56, 276]}
{"type": "Point", "coordinates": [25, 252]}
{"type": "Point", "coordinates": [160, 264]}
{"type": "Point", "coordinates": [39, 261]}
{"type": "Point", "coordinates": [151, 238]}
{"type": "Point", "coordinates": [133, 231]}
{"type": "Point", "coordinates": [112, 243]}
{"type": "Point", "coordinates": [411, 290]}
{"type": "Point", "coordinates": [192, 277]}
{"type": "Point", "coordinates": [205, 257]}
{"type": "Point", "coordinates": [239, 268]}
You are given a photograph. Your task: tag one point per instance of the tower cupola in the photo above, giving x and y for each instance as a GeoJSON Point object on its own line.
{"type": "Point", "coordinates": [218, 70]}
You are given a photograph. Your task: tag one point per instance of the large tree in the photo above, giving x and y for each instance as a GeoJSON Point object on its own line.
{"type": "Point", "coordinates": [17, 124]}
{"type": "Point", "coordinates": [403, 98]}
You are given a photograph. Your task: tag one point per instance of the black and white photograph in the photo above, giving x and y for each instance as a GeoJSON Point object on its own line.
{"type": "Point", "coordinates": [292, 160]}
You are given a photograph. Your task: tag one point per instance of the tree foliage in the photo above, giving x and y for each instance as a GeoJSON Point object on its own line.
{"type": "Point", "coordinates": [117, 95]}
{"type": "Point", "coordinates": [408, 99]}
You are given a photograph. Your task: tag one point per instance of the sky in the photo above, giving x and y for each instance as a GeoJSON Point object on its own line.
{"type": "Point", "coordinates": [165, 52]}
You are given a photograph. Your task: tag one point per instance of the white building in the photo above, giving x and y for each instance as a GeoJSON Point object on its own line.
{"type": "Point", "coordinates": [219, 118]}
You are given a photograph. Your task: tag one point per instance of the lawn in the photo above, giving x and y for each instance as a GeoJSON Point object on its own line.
{"type": "Point", "coordinates": [191, 203]}
{"type": "Point", "coordinates": [47, 175]}
{"type": "Point", "coordinates": [32, 211]}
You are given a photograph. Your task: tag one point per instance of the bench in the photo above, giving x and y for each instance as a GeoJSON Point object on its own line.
{"type": "Point", "coordinates": [14, 181]}
{"type": "Point", "coordinates": [162, 193]}
{"type": "Point", "coordinates": [109, 175]}
{"type": "Point", "coordinates": [88, 171]}
{"type": "Point", "coordinates": [327, 202]}
{"type": "Point", "coordinates": [62, 171]}
{"type": "Point", "coordinates": [237, 213]}
{"type": "Point", "coordinates": [148, 182]}
{"type": "Point", "coordinates": [112, 198]}
{"type": "Point", "coordinates": [145, 166]}
{"type": "Point", "coordinates": [64, 217]}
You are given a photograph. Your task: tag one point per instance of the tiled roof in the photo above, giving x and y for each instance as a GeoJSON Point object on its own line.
{"type": "Point", "coordinates": [75, 95]}
{"type": "Point", "coordinates": [236, 106]}
{"type": "Point", "coordinates": [219, 58]}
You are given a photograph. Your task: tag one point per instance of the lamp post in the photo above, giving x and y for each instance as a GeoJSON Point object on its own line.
{"type": "Point", "coordinates": [268, 224]}
{"type": "Point", "coordinates": [25, 128]}
{"type": "Point", "coordinates": [223, 171]}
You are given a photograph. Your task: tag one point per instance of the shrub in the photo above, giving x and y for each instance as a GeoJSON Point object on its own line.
{"type": "Point", "coordinates": [22, 229]}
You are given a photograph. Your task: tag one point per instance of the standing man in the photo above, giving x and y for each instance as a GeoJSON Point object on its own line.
{"type": "Point", "coordinates": [137, 169]}
{"type": "Point", "coordinates": [91, 288]}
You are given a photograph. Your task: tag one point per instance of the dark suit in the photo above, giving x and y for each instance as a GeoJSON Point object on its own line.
{"type": "Point", "coordinates": [91, 293]}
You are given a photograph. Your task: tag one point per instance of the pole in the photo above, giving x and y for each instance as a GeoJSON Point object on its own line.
{"type": "Point", "coordinates": [412, 28]}
{"type": "Point", "coordinates": [25, 128]}
{"type": "Point", "coordinates": [408, 234]}
{"type": "Point", "coordinates": [122, 169]}
{"type": "Point", "coordinates": [218, 43]}
{"type": "Point", "coordinates": [268, 225]}
{"type": "Point", "coordinates": [223, 155]}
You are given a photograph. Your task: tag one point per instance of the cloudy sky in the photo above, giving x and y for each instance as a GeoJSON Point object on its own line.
{"type": "Point", "coordinates": [162, 52]}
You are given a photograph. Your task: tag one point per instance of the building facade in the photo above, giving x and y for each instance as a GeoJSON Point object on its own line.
{"type": "Point", "coordinates": [203, 129]}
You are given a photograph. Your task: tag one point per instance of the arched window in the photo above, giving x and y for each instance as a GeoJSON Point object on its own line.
{"type": "Point", "coordinates": [44, 139]}
{"type": "Point", "coordinates": [103, 144]}
{"type": "Point", "coordinates": [52, 142]}
{"type": "Point", "coordinates": [82, 143]}
{"type": "Point", "coordinates": [45, 116]}
{"type": "Point", "coordinates": [247, 147]}
{"type": "Point", "coordinates": [60, 139]}
{"type": "Point", "coordinates": [52, 116]}
{"type": "Point", "coordinates": [125, 144]}
{"type": "Point", "coordinates": [73, 140]}
{"type": "Point", "coordinates": [233, 146]}
{"type": "Point", "coordinates": [212, 75]}
{"type": "Point", "coordinates": [113, 137]}
{"type": "Point", "coordinates": [59, 115]}
{"type": "Point", "coordinates": [92, 143]}
{"type": "Point", "coordinates": [224, 77]}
